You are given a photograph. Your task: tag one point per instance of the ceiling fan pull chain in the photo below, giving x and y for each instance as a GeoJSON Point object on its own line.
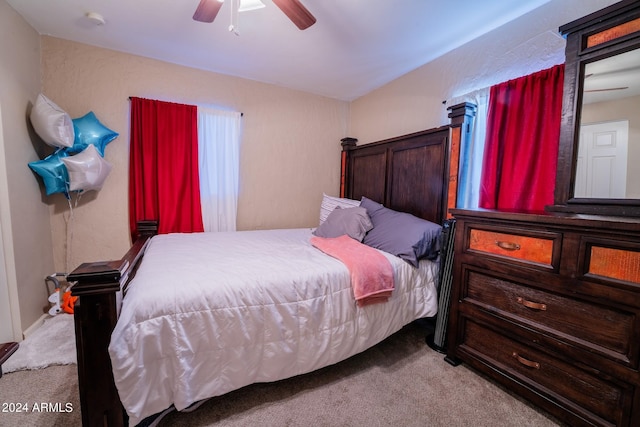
{"type": "Point", "coordinates": [235, 7]}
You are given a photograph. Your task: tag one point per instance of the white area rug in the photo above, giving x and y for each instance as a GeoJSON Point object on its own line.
{"type": "Point", "coordinates": [53, 343]}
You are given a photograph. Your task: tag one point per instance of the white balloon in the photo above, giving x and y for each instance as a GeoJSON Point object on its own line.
{"type": "Point", "coordinates": [87, 169]}
{"type": "Point", "coordinates": [52, 123]}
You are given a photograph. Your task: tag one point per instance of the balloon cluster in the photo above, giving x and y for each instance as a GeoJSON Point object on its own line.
{"type": "Point", "coordinates": [78, 163]}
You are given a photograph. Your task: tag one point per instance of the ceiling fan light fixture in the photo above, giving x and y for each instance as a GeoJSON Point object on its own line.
{"type": "Point", "coordinates": [294, 9]}
{"type": "Point", "coordinates": [246, 5]}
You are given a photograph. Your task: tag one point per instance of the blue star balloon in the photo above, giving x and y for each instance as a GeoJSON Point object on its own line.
{"type": "Point", "coordinates": [89, 130]}
{"type": "Point", "coordinates": [53, 172]}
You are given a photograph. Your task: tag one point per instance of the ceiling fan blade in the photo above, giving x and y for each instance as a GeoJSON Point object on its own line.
{"type": "Point", "coordinates": [207, 10]}
{"type": "Point", "coordinates": [606, 90]}
{"type": "Point", "coordinates": [297, 13]}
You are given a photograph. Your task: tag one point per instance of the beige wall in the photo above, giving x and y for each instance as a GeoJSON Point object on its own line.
{"type": "Point", "coordinates": [290, 150]}
{"type": "Point", "coordinates": [413, 102]}
{"type": "Point", "coordinates": [622, 109]}
{"type": "Point", "coordinates": [24, 215]}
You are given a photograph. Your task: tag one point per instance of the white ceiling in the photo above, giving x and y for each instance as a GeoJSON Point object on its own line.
{"type": "Point", "coordinates": [355, 46]}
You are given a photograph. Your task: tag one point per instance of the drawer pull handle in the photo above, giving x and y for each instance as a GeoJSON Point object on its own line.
{"type": "Point", "coordinates": [508, 246]}
{"type": "Point", "coordinates": [526, 362]}
{"type": "Point", "coordinates": [531, 304]}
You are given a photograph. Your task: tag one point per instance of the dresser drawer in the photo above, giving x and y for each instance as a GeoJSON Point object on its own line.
{"type": "Point", "coordinates": [611, 259]}
{"type": "Point", "coordinates": [571, 388]}
{"type": "Point", "coordinates": [596, 328]}
{"type": "Point", "coordinates": [537, 248]}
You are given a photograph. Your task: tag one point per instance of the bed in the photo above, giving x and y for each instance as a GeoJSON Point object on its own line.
{"type": "Point", "coordinates": [295, 312]}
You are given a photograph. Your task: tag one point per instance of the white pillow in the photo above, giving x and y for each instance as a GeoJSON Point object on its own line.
{"type": "Point", "coordinates": [329, 203]}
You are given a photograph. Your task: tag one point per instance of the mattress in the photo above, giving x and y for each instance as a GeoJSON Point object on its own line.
{"type": "Point", "coordinates": [208, 313]}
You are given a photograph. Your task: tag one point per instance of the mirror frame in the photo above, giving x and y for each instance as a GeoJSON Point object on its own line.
{"type": "Point", "coordinates": [600, 35]}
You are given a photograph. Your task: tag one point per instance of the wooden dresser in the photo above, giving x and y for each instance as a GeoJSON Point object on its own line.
{"type": "Point", "coordinates": [549, 306]}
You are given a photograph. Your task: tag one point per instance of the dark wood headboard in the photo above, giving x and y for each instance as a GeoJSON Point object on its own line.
{"type": "Point", "coordinates": [406, 173]}
{"type": "Point", "coordinates": [415, 173]}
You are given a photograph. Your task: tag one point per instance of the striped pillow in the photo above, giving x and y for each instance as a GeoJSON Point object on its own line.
{"type": "Point", "coordinates": [329, 203]}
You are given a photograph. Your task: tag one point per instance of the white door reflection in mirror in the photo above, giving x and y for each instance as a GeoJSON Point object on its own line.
{"type": "Point", "coordinates": [601, 169]}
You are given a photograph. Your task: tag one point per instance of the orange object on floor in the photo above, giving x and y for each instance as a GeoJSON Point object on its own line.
{"type": "Point", "coordinates": [68, 302]}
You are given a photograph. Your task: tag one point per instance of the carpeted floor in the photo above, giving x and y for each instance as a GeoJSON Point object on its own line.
{"type": "Point", "coordinates": [400, 382]}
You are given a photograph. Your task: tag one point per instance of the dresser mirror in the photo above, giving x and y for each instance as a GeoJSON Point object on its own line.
{"type": "Point", "coordinates": [606, 149]}
{"type": "Point", "coordinates": [599, 152]}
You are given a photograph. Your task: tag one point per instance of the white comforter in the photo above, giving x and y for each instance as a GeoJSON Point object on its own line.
{"type": "Point", "coordinates": [208, 313]}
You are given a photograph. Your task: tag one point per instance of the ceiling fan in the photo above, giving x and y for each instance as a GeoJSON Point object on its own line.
{"type": "Point", "coordinates": [602, 90]}
{"type": "Point", "coordinates": [607, 89]}
{"type": "Point", "coordinates": [295, 11]}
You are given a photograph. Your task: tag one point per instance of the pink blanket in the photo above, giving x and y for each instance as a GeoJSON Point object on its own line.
{"type": "Point", "coordinates": [371, 273]}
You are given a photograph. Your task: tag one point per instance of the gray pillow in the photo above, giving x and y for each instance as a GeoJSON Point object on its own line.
{"type": "Point", "coordinates": [354, 222]}
{"type": "Point", "coordinates": [401, 234]}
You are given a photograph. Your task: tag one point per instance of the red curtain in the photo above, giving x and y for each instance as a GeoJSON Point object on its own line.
{"type": "Point", "coordinates": [521, 148]}
{"type": "Point", "coordinates": [163, 166]}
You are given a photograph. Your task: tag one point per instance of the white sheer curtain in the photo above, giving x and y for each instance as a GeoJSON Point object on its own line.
{"type": "Point", "coordinates": [219, 163]}
{"type": "Point", "coordinates": [471, 154]}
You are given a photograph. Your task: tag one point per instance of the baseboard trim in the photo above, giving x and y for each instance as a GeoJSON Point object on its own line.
{"type": "Point", "coordinates": [35, 325]}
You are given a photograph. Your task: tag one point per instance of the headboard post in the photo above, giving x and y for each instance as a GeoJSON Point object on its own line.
{"type": "Point", "coordinates": [348, 144]}
{"type": "Point", "coordinates": [462, 117]}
